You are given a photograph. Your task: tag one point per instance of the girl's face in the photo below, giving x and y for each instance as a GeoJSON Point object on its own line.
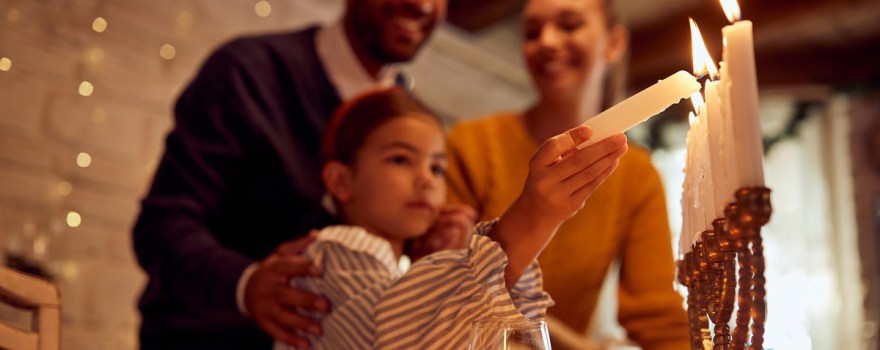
{"type": "Point", "coordinates": [397, 181]}
{"type": "Point", "coordinates": [566, 44]}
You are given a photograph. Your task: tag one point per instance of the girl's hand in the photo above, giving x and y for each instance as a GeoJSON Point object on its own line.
{"type": "Point", "coordinates": [451, 230]}
{"type": "Point", "coordinates": [561, 177]}
{"type": "Point", "coordinates": [560, 180]}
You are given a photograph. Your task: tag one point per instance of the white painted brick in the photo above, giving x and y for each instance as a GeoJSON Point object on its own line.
{"type": "Point", "coordinates": [79, 245]}
{"type": "Point", "coordinates": [27, 187]}
{"type": "Point", "coordinates": [22, 98]}
{"type": "Point", "coordinates": [118, 134]}
{"type": "Point", "coordinates": [118, 243]}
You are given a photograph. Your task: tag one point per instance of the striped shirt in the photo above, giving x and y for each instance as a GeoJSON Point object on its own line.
{"type": "Point", "coordinates": [431, 306]}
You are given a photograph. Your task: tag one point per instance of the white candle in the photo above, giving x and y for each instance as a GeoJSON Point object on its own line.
{"type": "Point", "coordinates": [697, 166]}
{"type": "Point", "coordinates": [641, 106]}
{"type": "Point", "coordinates": [730, 146]}
{"type": "Point", "coordinates": [720, 150]}
{"type": "Point", "coordinates": [716, 144]}
{"type": "Point", "coordinates": [742, 101]}
{"type": "Point", "coordinates": [707, 183]}
{"type": "Point", "coordinates": [703, 201]}
{"type": "Point", "coordinates": [688, 190]}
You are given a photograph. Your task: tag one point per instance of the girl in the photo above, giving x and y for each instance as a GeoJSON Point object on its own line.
{"type": "Point", "coordinates": [384, 167]}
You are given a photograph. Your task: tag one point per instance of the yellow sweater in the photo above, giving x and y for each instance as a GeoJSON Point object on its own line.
{"type": "Point", "coordinates": [624, 219]}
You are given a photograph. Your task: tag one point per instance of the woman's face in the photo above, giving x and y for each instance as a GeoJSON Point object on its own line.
{"type": "Point", "coordinates": [566, 44]}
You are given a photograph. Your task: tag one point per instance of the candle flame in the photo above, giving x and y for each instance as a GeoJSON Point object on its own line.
{"type": "Point", "coordinates": [691, 118]}
{"type": "Point", "coordinates": [703, 62]}
{"type": "Point", "coordinates": [697, 100]}
{"type": "Point", "coordinates": [731, 10]}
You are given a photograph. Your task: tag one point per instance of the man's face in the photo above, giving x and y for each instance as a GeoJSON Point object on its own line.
{"type": "Point", "coordinates": [394, 30]}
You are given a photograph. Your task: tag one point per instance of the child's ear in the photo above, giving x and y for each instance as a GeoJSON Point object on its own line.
{"type": "Point", "coordinates": [338, 180]}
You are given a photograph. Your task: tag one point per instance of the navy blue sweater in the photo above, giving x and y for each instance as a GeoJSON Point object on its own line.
{"type": "Point", "coordinates": [239, 176]}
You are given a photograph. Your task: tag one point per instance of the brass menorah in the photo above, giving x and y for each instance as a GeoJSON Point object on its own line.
{"type": "Point", "coordinates": [709, 272]}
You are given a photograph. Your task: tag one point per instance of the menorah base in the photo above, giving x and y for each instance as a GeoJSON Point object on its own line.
{"type": "Point", "coordinates": [710, 272]}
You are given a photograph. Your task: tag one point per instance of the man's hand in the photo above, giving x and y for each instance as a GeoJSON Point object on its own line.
{"type": "Point", "coordinates": [451, 231]}
{"type": "Point", "coordinates": [274, 304]}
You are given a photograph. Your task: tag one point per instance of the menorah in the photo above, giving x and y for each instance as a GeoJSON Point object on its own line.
{"type": "Point", "coordinates": [709, 273]}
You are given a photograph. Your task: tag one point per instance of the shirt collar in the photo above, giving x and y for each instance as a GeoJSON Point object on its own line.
{"type": "Point", "coordinates": [357, 239]}
{"type": "Point", "coordinates": [344, 69]}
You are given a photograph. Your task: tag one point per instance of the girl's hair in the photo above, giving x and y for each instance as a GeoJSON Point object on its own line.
{"type": "Point", "coordinates": [355, 120]}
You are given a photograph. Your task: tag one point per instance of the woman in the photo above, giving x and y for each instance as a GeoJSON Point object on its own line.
{"type": "Point", "coordinates": [569, 46]}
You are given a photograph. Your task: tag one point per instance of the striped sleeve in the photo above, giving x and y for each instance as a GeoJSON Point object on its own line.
{"type": "Point", "coordinates": [356, 266]}
{"type": "Point", "coordinates": [528, 294]}
{"type": "Point", "coordinates": [433, 305]}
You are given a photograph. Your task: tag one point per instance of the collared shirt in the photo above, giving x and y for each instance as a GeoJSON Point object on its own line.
{"type": "Point", "coordinates": [343, 67]}
{"type": "Point", "coordinates": [431, 306]}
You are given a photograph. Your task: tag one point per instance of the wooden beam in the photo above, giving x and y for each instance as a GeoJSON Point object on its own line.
{"type": "Point", "coordinates": [854, 63]}
{"type": "Point", "coordinates": [662, 47]}
{"type": "Point", "coordinates": [473, 15]}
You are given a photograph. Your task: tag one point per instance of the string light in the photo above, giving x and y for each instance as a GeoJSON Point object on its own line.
{"type": "Point", "coordinates": [13, 15]}
{"type": "Point", "coordinates": [167, 52]}
{"type": "Point", "coordinates": [39, 245]}
{"type": "Point", "coordinates": [86, 88]}
{"type": "Point", "coordinates": [99, 115]}
{"type": "Point", "coordinates": [64, 188]}
{"type": "Point", "coordinates": [95, 55]}
{"type": "Point", "coordinates": [99, 25]}
{"type": "Point", "coordinates": [74, 219]}
{"type": "Point", "coordinates": [184, 19]}
{"type": "Point", "coordinates": [83, 159]}
{"type": "Point", "coordinates": [70, 270]}
{"type": "Point", "coordinates": [263, 8]}
{"type": "Point", "coordinates": [5, 64]}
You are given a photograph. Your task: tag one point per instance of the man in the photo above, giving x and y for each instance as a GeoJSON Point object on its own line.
{"type": "Point", "coordinates": [240, 177]}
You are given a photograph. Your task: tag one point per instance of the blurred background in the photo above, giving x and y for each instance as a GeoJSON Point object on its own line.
{"type": "Point", "coordinates": [86, 89]}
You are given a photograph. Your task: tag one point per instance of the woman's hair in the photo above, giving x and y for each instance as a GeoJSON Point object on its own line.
{"type": "Point", "coordinates": [614, 85]}
{"type": "Point", "coordinates": [355, 120]}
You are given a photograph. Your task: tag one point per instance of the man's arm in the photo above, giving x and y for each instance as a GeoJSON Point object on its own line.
{"type": "Point", "coordinates": [203, 157]}
{"type": "Point", "coordinates": [171, 237]}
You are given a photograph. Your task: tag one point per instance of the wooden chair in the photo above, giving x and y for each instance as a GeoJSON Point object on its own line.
{"type": "Point", "coordinates": [38, 296]}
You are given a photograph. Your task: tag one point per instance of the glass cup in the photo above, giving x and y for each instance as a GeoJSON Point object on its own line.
{"type": "Point", "coordinates": [509, 334]}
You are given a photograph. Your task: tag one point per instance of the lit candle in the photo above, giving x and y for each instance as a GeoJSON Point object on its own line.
{"type": "Point", "coordinates": [718, 147]}
{"type": "Point", "coordinates": [722, 152]}
{"type": "Point", "coordinates": [641, 106]}
{"type": "Point", "coordinates": [739, 95]}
